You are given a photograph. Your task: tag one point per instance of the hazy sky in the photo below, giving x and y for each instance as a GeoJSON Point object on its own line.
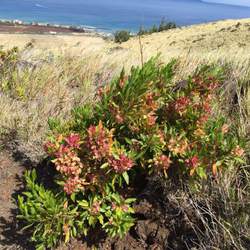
{"type": "Point", "coordinates": [234, 2]}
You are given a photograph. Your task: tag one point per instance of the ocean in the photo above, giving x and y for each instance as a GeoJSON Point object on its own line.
{"type": "Point", "coordinates": [110, 15]}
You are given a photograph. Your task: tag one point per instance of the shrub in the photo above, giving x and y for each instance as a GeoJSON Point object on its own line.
{"type": "Point", "coordinates": [154, 29]}
{"type": "Point", "coordinates": [48, 213]}
{"type": "Point", "coordinates": [166, 26]}
{"type": "Point", "coordinates": [141, 124]}
{"type": "Point", "coordinates": [122, 36]}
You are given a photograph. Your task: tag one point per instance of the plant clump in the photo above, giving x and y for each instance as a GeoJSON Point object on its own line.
{"type": "Point", "coordinates": [163, 26]}
{"type": "Point", "coordinates": [140, 125]}
{"type": "Point", "coordinates": [121, 36]}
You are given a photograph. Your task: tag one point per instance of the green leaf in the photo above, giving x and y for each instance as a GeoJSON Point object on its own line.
{"type": "Point", "coordinates": [91, 220]}
{"type": "Point", "coordinates": [33, 175]}
{"type": "Point", "coordinates": [73, 197]}
{"type": "Point", "coordinates": [85, 231]}
{"type": "Point", "coordinates": [40, 247]}
{"type": "Point", "coordinates": [83, 204]}
{"type": "Point", "coordinates": [105, 165]}
{"type": "Point", "coordinates": [240, 160]}
{"type": "Point", "coordinates": [126, 177]}
{"type": "Point", "coordinates": [128, 141]}
{"type": "Point", "coordinates": [130, 200]}
{"type": "Point", "coordinates": [116, 197]}
{"type": "Point", "coordinates": [67, 236]}
{"type": "Point", "coordinates": [101, 220]}
{"type": "Point", "coordinates": [201, 173]}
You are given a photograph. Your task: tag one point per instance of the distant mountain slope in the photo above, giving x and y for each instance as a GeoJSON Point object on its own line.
{"type": "Point", "coordinates": [224, 40]}
{"type": "Point", "coordinates": [231, 2]}
{"type": "Point", "coordinates": [69, 68]}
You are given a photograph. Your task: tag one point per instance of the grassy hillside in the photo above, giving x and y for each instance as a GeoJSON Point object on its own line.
{"type": "Point", "coordinates": [49, 75]}
{"type": "Point", "coordinates": [61, 71]}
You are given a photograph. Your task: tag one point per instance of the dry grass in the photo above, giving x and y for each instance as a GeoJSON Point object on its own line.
{"type": "Point", "coordinates": [60, 72]}
{"type": "Point", "coordinates": [64, 70]}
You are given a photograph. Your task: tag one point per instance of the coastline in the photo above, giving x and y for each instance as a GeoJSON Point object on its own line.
{"type": "Point", "coordinates": [20, 27]}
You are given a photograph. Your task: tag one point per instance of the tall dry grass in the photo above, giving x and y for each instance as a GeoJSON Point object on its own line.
{"type": "Point", "coordinates": [54, 87]}
{"type": "Point", "coordinates": [58, 73]}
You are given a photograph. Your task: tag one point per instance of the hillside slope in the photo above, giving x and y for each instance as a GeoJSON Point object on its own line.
{"type": "Point", "coordinates": [51, 74]}
{"type": "Point", "coordinates": [68, 67]}
{"type": "Point", "coordinates": [223, 41]}
{"type": "Point", "coordinates": [214, 39]}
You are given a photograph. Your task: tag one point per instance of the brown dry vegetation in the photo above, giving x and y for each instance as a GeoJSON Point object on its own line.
{"type": "Point", "coordinates": [60, 72]}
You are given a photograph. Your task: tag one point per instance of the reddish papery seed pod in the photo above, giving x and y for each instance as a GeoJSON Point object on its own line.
{"type": "Point", "coordinates": [122, 164]}
{"type": "Point", "coordinates": [213, 86]}
{"type": "Point", "coordinates": [119, 119]}
{"type": "Point", "coordinates": [162, 162]}
{"type": "Point", "coordinates": [116, 113]}
{"type": "Point", "coordinates": [181, 104]}
{"type": "Point", "coordinates": [62, 150]}
{"type": "Point", "coordinates": [68, 164]}
{"type": "Point", "coordinates": [150, 99]}
{"type": "Point", "coordinates": [225, 129]}
{"type": "Point", "coordinates": [92, 131]}
{"type": "Point", "coordinates": [113, 206]}
{"type": "Point", "coordinates": [95, 208]}
{"type": "Point", "coordinates": [124, 208]}
{"type": "Point", "coordinates": [193, 162]}
{"type": "Point", "coordinates": [151, 119]}
{"type": "Point", "coordinates": [161, 136]}
{"type": "Point", "coordinates": [202, 120]}
{"type": "Point", "coordinates": [71, 185]}
{"type": "Point", "coordinates": [122, 83]}
{"type": "Point", "coordinates": [197, 80]}
{"type": "Point", "coordinates": [73, 140]}
{"type": "Point", "coordinates": [151, 104]}
{"type": "Point", "coordinates": [99, 141]}
{"type": "Point", "coordinates": [100, 92]}
{"type": "Point", "coordinates": [238, 151]}
{"type": "Point", "coordinates": [134, 128]}
{"type": "Point", "coordinates": [207, 107]}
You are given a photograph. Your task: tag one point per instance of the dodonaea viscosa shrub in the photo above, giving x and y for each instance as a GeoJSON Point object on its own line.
{"type": "Point", "coordinates": [121, 36]}
{"type": "Point", "coordinates": [140, 124]}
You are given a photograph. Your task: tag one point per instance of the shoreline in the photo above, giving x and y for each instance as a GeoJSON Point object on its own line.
{"type": "Point", "coordinates": [35, 28]}
{"type": "Point", "coordinates": [21, 27]}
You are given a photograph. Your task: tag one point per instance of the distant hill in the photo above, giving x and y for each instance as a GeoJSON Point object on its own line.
{"type": "Point", "coordinates": [231, 2]}
{"type": "Point", "coordinates": [211, 40]}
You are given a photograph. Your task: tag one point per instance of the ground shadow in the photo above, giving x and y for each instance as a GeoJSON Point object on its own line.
{"type": "Point", "coordinates": [13, 164]}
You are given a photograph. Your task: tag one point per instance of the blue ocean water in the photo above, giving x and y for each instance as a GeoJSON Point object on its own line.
{"type": "Point", "coordinates": [122, 14]}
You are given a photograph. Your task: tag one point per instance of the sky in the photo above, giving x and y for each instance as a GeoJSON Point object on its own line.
{"type": "Point", "coordinates": [233, 2]}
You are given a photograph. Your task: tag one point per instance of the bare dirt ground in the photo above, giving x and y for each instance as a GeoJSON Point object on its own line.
{"type": "Point", "coordinates": [10, 185]}
{"type": "Point", "coordinates": [162, 222]}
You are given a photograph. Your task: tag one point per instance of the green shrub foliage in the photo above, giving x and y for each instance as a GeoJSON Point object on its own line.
{"type": "Point", "coordinates": [164, 25]}
{"type": "Point", "coordinates": [140, 124]}
{"type": "Point", "coordinates": [122, 36]}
